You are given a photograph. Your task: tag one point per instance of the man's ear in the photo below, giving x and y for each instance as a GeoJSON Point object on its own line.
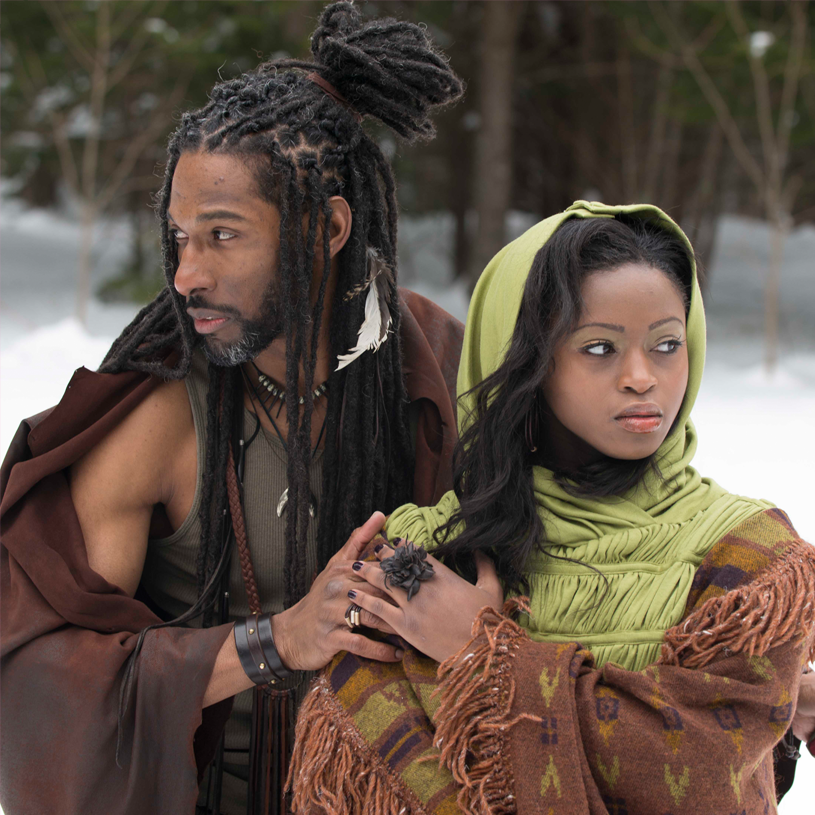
{"type": "Point", "coordinates": [340, 226]}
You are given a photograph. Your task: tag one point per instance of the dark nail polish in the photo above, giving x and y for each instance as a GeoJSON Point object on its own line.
{"type": "Point", "coordinates": [378, 548]}
{"type": "Point", "coordinates": [352, 594]}
{"type": "Point", "coordinates": [396, 542]}
{"type": "Point", "coordinates": [357, 565]}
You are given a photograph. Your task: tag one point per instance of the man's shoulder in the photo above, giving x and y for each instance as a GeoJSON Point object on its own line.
{"type": "Point", "coordinates": [426, 326]}
{"type": "Point", "coordinates": [430, 316]}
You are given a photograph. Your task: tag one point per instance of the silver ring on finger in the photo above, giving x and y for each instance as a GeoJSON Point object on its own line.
{"type": "Point", "coordinates": [352, 616]}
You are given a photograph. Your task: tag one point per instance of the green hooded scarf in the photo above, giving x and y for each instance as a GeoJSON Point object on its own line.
{"type": "Point", "coordinates": [647, 544]}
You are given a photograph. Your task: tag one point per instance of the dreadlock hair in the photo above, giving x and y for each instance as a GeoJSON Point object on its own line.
{"type": "Point", "coordinates": [492, 467]}
{"type": "Point", "coordinates": [305, 144]}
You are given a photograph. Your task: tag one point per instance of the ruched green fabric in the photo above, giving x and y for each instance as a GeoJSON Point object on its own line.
{"type": "Point", "coordinates": [648, 543]}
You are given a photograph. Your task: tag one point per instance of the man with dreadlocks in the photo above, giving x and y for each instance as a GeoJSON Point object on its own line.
{"type": "Point", "coordinates": [276, 393]}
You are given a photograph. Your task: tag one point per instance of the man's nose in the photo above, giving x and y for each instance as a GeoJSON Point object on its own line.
{"type": "Point", "coordinates": [637, 374]}
{"type": "Point", "coordinates": [192, 275]}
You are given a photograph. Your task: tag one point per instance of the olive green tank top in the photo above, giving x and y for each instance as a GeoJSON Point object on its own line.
{"type": "Point", "coordinates": [170, 577]}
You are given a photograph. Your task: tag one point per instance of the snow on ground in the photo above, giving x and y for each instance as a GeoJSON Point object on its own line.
{"type": "Point", "coordinates": [755, 432]}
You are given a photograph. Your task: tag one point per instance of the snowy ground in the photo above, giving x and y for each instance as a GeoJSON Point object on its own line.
{"type": "Point", "coordinates": [755, 433]}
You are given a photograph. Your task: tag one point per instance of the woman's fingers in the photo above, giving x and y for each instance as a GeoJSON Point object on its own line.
{"type": "Point", "coordinates": [367, 619]}
{"type": "Point", "coordinates": [382, 609]}
{"type": "Point", "coordinates": [487, 578]}
{"type": "Point", "coordinates": [371, 572]}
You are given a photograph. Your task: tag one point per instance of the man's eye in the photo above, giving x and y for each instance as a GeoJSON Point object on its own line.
{"type": "Point", "coordinates": [599, 349]}
{"type": "Point", "coordinates": [178, 234]}
{"type": "Point", "coordinates": [222, 235]}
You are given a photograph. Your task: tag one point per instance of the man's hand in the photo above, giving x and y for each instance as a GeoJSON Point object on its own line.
{"type": "Point", "coordinates": [310, 633]}
{"type": "Point", "coordinates": [803, 722]}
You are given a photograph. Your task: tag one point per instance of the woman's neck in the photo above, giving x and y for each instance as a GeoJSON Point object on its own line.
{"type": "Point", "coordinates": [561, 450]}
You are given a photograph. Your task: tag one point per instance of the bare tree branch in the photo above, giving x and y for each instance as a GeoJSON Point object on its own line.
{"type": "Point", "coordinates": [134, 48]}
{"type": "Point", "coordinates": [674, 32]}
{"type": "Point", "coordinates": [666, 59]}
{"type": "Point", "coordinates": [81, 53]}
{"type": "Point", "coordinates": [792, 76]}
{"type": "Point", "coordinates": [67, 161]}
{"type": "Point", "coordinates": [708, 34]}
{"type": "Point", "coordinates": [139, 144]}
{"type": "Point", "coordinates": [761, 87]}
{"type": "Point", "coordinates": [125, 20]}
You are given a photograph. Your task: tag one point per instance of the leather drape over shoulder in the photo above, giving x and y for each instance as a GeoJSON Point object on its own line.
{"type": "Point", "coordinates": [67, 633]}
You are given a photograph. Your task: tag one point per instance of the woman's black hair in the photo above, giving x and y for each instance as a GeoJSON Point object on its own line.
{"type": "Point", "coordinates": [493, 465]}
{"type": "Point", "coordinates": [305, 143]}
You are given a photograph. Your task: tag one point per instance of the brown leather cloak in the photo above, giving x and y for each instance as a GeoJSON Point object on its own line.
{"type": "Point", "coordinates": [67, 633]}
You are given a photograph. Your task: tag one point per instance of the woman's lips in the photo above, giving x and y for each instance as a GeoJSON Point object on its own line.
{"type": "Point", "coordinates": [639, 424]}
{"type": "Point", "coordinates": [644, 418]}
{"type": "Point", "coordinates": [206, 325]}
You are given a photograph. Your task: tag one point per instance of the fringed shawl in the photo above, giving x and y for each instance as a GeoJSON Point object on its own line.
{"type": "Point", "coordinates": [509, 725]}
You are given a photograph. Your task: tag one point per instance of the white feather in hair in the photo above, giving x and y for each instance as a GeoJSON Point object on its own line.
{"type": "Point", "coordinates": [376, 325]}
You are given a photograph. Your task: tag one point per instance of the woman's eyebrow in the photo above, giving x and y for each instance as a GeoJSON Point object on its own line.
{"type": "Point", "coordinates": [621, 329]}
{"type": "Point", "coordinates": [609, 326]}
{"type": "Point", "coordinates": [662, 322]}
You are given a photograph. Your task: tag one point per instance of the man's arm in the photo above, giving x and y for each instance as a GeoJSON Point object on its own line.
{"type": "Point", "coordinates": [150, 459]}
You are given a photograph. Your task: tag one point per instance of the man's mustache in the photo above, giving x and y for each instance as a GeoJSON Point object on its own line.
{"type": "Point", "coordinates": [196, 301]}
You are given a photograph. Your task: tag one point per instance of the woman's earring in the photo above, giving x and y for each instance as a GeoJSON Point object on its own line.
{"type": "Point", "coordinates": [532, 432]}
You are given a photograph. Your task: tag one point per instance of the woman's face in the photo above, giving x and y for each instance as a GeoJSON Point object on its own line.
{"type": "Point", "coordinates": [619, 378]}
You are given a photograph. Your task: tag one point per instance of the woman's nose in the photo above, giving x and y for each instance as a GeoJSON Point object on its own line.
{"type": "Point", "coordinates": [636, 374]}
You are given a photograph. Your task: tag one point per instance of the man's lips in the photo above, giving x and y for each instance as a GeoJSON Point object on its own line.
{"type": "Point", "coordinates": [645, 418]}
{"type": "Point", "coordinates": [206, 320]}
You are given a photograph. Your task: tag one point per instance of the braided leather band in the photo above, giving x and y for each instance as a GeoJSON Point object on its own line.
{"type": "Point", "coordinates": [259, 658]}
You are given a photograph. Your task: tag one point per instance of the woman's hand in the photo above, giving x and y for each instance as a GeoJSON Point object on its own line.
{"type": "Point", "coordinates": [803, 722]}
{"type": "Point", "coordinates": [438, 620]}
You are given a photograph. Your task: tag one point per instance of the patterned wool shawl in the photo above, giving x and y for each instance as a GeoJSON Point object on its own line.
{"type": "Point", "coordinates": [509, 725]}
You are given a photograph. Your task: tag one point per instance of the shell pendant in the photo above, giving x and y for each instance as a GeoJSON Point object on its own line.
{"type": "Point", "coordinates": [284, 501]}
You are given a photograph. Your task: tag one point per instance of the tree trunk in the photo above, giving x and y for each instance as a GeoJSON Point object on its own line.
{"type": "Point", "coordinates": [492, 170]}
{"type": "Point", "coordinates": [670, 197]}
{"type": "Point", "coordinates": [627, 124]}
{"type": "Point", "coordinates": [656, 142]}
{"type": "Point", "coordinates": [702, 210]}
{"type": "Point", "coordinates": [779, 229]}
{"type": "Point", "coordinates": [83, 277]}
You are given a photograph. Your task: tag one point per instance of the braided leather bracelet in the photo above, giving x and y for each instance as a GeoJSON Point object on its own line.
{"type": "Point", "coordinates": [259, 658]}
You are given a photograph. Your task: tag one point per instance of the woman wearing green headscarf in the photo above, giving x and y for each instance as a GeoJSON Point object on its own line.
{"type": "Point", "coordinates": [656, 662]}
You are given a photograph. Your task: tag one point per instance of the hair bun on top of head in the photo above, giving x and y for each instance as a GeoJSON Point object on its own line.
{"type": "Point", "coordinates": [385, 68]}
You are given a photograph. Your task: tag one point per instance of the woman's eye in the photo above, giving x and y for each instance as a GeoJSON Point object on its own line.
{"type": "Point", "coordinates": [669, 346]}
{"type": "Point", "coordinates": [599, 349]}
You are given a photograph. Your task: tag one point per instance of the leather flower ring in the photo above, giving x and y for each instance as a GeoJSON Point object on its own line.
{"type": "Point", "coordinates": [407, 567]}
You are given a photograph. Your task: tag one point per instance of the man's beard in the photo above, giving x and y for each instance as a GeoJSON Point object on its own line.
{"type": "Point", "coordinates": [255, 334]}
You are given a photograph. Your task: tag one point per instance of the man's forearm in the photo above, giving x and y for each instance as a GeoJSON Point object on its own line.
{"type": "Point", "coordinates": [228, 677]}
